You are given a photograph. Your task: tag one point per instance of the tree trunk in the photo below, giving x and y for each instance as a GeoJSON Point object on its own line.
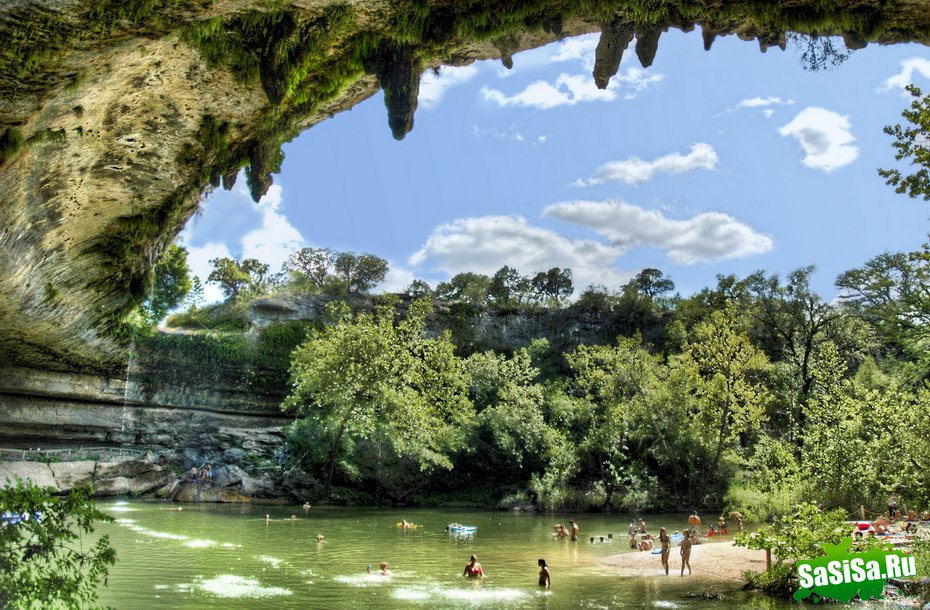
{"type": "Point", "coordinates": [331, 467]}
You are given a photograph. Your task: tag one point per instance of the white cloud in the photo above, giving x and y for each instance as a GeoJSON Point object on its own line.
{"type": "Point", "coordinates": [825, 137]}
{"type": "Point", "coordinates": [396, 280]}
{"type": "Point", "coordinates": [567, 90]}
{"type": "Point", "coordinates": [276, 238]}
{"type": "Point", "coordinates": [198, 259]}
{"type": "Point", "coordinates": [579, 48]}
{"type": "Point", "coordinates": [761, 102]}
{"type": "Point", "coordinates": [636, 171]}
{"type": "Point", "coordinates": [485, 244]}
{"type": "Point", "coordinates": [636, 80]}
{"type": "Point", "coordinates": [512, 133]}
{"type": "Point", "coordinates": [906, 76]}
{"type": "Point", "coordinates": [433, 86]}
{"type": "Point", "coordinates": [710, 236]}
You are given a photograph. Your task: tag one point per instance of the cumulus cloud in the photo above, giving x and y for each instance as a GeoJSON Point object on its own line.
{"type": "Point", "coordinates": [484, 244]}
{"type": "Point", "coordinates": [825, 137]}
{"type": "Point", "coordinates": [434, 86]}
{"type": "Point", "coordinates": [905, 77]}
{"type": "Point", "coordinates": [238, 227]}
{"type": "Point", "coordinates": [636, 171]}
{"type": "Point", "coordinates": [396, 280]}
{"type": "Point", "coordinates": [579, 48]}
{"type": "Point", "coordinates": [198, 259]}
{"type": "Point", "coordinates": [567, 90]}
{"type": "Point", "coordinates": [276, 238]}
{"type": "Point", "coordinates": [711, 236]}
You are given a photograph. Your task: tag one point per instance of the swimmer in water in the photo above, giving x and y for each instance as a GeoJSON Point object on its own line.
{"type": "Point", "coordinates": [267, 518]}
{"type": "Point", "coordinates": [384, 569]}
{"type": "Point", "coordinates": [293, 517]}
{"type": "Point", "coordinates": [319, 539]}
{"type": "Point", "coordinates": [545, 577]}
{"type": "Point", "coordinates": [473, 568]}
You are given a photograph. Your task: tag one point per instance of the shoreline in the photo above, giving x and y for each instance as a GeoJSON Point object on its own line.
{"type": "Point", "coordinates": [716, 560]}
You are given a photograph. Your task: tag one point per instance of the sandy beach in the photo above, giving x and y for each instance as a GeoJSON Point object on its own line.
{"type": "Point", "coordinates": [718, 560]}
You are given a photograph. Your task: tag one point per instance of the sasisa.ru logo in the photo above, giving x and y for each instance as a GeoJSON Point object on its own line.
{"type": "Point", "coordinates": [842, 575]}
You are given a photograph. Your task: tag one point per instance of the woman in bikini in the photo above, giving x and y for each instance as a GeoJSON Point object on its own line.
{"type": "Point", "coordinates": [473, 568]}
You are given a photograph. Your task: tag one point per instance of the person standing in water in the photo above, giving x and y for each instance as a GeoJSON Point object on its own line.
{"type": "Point", "coordinates": [544, 576]}
{"type": "Point", "coordinates": [473, 568]}
{"type": "Point", "coordinates": [686, 553]}
{"type": "Point", "coordinates": [666, 547]}
{"type": "Point", "coordinates": [575, 530]}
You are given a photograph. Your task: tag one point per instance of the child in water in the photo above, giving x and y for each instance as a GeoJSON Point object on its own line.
{"type": "Point", "coordinates": [384, 569]}
{"type": "Point", "coordinates": [544, 576]}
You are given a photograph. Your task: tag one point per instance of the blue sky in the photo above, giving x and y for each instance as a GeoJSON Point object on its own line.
{"type": "Point", "coordinates": [725, 161]}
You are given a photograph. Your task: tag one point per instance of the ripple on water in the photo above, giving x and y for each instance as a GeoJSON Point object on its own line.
{"type": "Point", "coordinates": [231, 586]}
{"type": "Point", "coordinates": [274, 561]}
{"type": "Point", "coordinates": [471, 597]}
{"type": "Point", "coordinates": [129, 523]}
{"type": "Point", "coordinates": [362, 580]}
{"type": "Point", "coordinates": [200, 544]}
{"type": "Point", "coordinates": [664, 604]}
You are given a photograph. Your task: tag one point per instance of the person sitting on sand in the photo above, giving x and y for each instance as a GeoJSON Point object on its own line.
{"type": "Point", "coordinates": [545, 577]}
{"type": "Point", "coordinates": [633, 544]}
{"type": "Point", "coordinates": [646, 544]}
{"type": "Point", "coordinates": [666, 543]}
{"type": "Point", "coordinates": [384, 569]}
{"type": "Point", "coordinates": [473, 568]}
{"type": "Point", "coordinates": [686, 553]}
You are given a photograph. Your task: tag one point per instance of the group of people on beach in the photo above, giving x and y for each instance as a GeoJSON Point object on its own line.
{"type": "Point", "coordinates": [642, 540]}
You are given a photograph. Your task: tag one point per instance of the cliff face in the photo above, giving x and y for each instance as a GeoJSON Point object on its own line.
{"type": "Point", "coordinates": [116, 116]}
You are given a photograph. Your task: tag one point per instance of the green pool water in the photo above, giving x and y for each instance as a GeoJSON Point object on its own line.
{"type": "Point", "coordinates": [224, 556]}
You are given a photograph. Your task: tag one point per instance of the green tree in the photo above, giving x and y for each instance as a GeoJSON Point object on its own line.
{"type": "Point", "coordinates": [890, 292]}
{"type": "Point", "coordinates": [652, 283]}
{"type": "Point", "coordinates": [418, 289]}
{"type": "Point", "coordinates": [359, 272]}
{"type": "Point", "coordinates": [235, 276]}
{"type": "Point", "coordinates": [508, 288]}
{"type": "Point", "coordinates": [43, 561]}
{"type": "Point", "coordinates": [467, 287]}
{"type": "Point", "coordinates": [171, 281]}
{"type": "Point", "coordinates": [371, 373]}
{"type": "Point", "coordinates": [912, 143]}
{"type": "Point", "coordinates": [553, 286]}
{"type": "Point", "coordinates": [731, 396]}
{"type": "Point", "coordinates": [314, 264]}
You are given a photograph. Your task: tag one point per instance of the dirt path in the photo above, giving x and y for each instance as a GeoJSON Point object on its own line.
{"type": "Point", "coordinates": [719, 560]}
